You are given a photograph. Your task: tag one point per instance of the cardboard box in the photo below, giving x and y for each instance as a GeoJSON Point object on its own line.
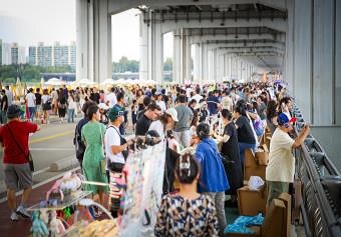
{"type": "Point", "coordinates": [273, 222]}
{"type": "Point", "coordinates": [256, 229]}
{"type": "Point", "coordinates": [251, 166]}
{"type": "Point", "coordinates": [286, 198]}
{"type": "Point", "coordinates": [250, 203]}
{"type": "Point", "coordinates": [262, 157]}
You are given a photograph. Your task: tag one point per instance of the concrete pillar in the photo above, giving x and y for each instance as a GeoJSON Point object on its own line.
{"type": "Point", "coordinates": [157, 53]}
{"type": "Point", "coordinates": [144, 50]}
{"type": "Point", "coordinates": [221, 61]}
{"type": "Point", "coordinates": [82, 61]}
{"type": "Point", "coordinates": [177, 57]}
{"type": "Point", "coordinates": [186, 57]}
{"type": "Point", "coordinates": [93, 27]}
{"type": "Point", "coordinates": [231, 67]}
{"type": "Point", "coordinates": [210, 66]}
{"type": "Point", "coordinates": [102, 42]}
{"type": "Point", "coordinates": [204, 62]}
{"type": "Point", "coordinates": [196, 62]}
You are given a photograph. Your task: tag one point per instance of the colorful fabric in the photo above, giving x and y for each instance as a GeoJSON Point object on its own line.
{"type": "Point", "coordinates": [183, 217]}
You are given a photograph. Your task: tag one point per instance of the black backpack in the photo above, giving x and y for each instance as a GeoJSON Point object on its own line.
{"type": "Point", "coordinates": [79, 144]}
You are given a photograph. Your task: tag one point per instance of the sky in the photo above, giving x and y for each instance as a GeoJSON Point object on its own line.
{"type": "Point", "coordinates": [54, 20]}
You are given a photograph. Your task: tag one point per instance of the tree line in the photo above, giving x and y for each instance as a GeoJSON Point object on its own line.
{"type": "Point", "coordinates": [32, 73]}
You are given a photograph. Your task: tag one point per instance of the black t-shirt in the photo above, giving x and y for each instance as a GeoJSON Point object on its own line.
{"type": "Point", "coordinates": [3, 101]}
{"type": "Point", "coordinates": [38, 98]}
{"type": "Point", "coordinates": [95, 97]}
{"type": "Point", "coordinates": [142, 125]}
{"type": "Point", "coordinates": [245, 133]}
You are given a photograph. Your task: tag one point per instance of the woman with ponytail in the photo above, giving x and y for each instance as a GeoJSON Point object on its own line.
{"type": "Point", "coordinates": [213, 179]}
{"type": "Point", "coordinates": [246, 136]}
{"type": "Point", "coordinates": [187, 213]}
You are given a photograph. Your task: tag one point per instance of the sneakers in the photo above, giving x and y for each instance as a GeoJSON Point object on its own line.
{"type": "Point", "coordinates": [23, 212]}
{"type": "Point", "coordinates": [14, 217]}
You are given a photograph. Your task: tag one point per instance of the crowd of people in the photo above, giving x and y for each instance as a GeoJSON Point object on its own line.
{"type": "Point", "coordinates": [206, 128]}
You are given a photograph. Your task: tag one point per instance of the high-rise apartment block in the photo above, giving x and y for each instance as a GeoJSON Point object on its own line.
{"type": "Point", "coordinates": [17, 54]}
{"type": "Point", "coordinates": [56, 55]}
{"type": "Point", "coordinates": [11, 54]}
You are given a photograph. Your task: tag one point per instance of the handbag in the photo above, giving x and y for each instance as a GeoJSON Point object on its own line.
{"type": "Point", "coordinates": [28, 156]}
{"type": "Point", "coordinates": [224, 158]}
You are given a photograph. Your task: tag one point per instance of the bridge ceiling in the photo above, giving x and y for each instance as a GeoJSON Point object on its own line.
{"type": "Point", "coordinates": [221, 23]}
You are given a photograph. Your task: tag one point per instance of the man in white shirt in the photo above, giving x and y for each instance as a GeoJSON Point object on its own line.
{"type": "Point", "coordinates": [196, 97]}
{"type": "Point", "coordinates": [281, 168]}
{"type": "Point", "coordinates": [9, 95]}
{"type": "Point", "coordinates": [111, 98]}
{"type": "Point", "coordinates": [112, 140]}
{"type": "Point", "coordinates": [31, 104]}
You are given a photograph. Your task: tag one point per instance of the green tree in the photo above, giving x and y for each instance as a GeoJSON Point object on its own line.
{"type": "Point", "coordinates": [124, 65]}
{"type": "Point", "coordinates": [168, 65]}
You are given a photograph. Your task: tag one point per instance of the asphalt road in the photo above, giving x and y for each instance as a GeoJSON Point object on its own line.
{"type": "Point", "coordinates": [52, 143]}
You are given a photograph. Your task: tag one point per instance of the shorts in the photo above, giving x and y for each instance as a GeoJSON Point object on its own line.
{"type": "Point", "coordinates": [18, 176]}
{"type": "Point", "coordinates": [275, 189]}
{"type": "Point", "coordinates": [38, 108]}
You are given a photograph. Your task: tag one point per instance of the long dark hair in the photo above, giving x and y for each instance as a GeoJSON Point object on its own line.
{"type": "Point", "coordinates": [92, 109]}
{"type": "Point", "coordinates": [186, 168]}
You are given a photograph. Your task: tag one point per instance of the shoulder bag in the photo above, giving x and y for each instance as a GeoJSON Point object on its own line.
{"type": "Point", "coordinates": [225, 159]}
{"type": "Point", "coordinates": [28, 156]}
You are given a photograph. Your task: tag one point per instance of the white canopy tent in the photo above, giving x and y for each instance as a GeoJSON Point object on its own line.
{"type": "Point", "coordinates": [84, 82]}
{"type": "Point", "coordinates": [54, 82]}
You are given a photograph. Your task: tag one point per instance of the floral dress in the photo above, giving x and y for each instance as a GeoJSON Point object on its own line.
{"type": "Point", "coordinates": [92, 135]}
{"type": "Point", "coordinates": [179, 216]}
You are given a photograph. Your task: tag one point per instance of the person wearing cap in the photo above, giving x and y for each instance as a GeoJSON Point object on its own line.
{"type": "Point", "coordinates": [113, 140]}
{"type": "Point", "coordinates": [14, 138]}
{"type": "Point", "coordinates": [165, 122]}
{"type": "Point", "coordinates": [281, 168]}
{"type": "Point", "coordinates": [115, 151]}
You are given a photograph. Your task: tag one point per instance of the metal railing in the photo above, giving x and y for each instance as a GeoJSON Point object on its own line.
{"type": "Point", "coordinates": [321, 187]}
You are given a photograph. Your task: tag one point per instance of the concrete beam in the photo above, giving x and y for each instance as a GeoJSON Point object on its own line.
{"type": "Point", "coordinates": [277, 4]}
{"type": "Point", "coordinates": [199, 39]}
{"type": "Point", "coordinates": [277, 24]}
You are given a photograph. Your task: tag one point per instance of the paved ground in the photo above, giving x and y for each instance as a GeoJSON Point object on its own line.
{"type": "Point", "coordinates": [52, 143]}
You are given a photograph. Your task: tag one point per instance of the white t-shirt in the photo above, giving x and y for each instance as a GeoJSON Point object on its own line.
{"type": "Point", "coordinates": [111, 97]}
{"type": "Point", "coordinates": [31, 100]}
{"type": "Point", "coordinates": [45, 98]}
{"type": "Point", "coordinates": [157, 126]}
{"type": "Point", "coordinates": [72, 103]}
{"type": "Point", "coordinates": [281, 165]}
{"type": "Point", "coordinates": [112, 138]}
{"type": "Point", "coordinates": [197, 97]}
{"type": "Point", "coordinates": [162, 105]}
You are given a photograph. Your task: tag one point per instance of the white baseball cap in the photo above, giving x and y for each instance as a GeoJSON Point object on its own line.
{"type": "Point", "coordinates": [173, 113]}
{"type": "Point", "coordinates": [103, 106]}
